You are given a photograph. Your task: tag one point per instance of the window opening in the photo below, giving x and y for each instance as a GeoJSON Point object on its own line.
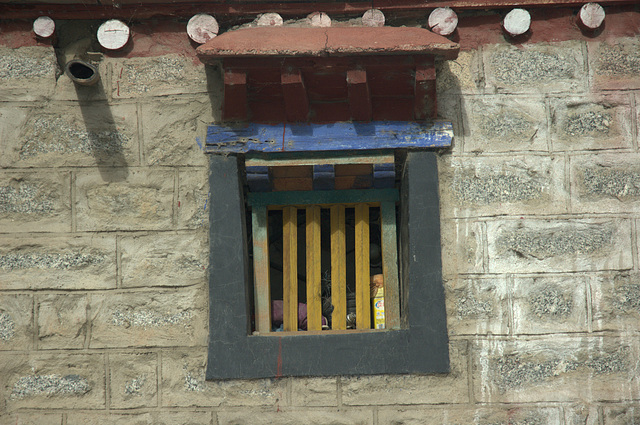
{"type": "Point", "coordinates": [321, 257]}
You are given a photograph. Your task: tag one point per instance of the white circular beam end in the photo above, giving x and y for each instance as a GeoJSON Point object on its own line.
{"type": "Point", "coordinates": [113, 34]}
{"type": "Point", "coordinates": [592, 15]}
{"type": "Point", "coordinates": [202, 28]}
{"type": "Point", "coordinates": [373, 18]}
{"type": "Point", "coordinates": [443, 21]}
{"type": "Point", "coordinates": [44, 27]}
{"type": "Point", "coordinates": [517, 22]}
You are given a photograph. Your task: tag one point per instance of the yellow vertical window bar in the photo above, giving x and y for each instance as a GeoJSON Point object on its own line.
{"type": "Point", "coordinates": [390, 265]}
{"type": "Point", "coordinates": [262, 295]}
{"type": "Point", "coordinates": [314, 269]}
{"type": "Point", "coordinates": [338, 268]}
{"type": "Point", "coordinates": [290, 268]}
{"type": "Point", "coordinates": [363, 302]}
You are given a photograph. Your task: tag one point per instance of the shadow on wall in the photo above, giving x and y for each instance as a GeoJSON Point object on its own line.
{"type": "Point", "coordinates": [78, 54]}
{"type": "Point", "coordinates": [105, 139]}
{"type": "Point", "coordinates": [215, 89]}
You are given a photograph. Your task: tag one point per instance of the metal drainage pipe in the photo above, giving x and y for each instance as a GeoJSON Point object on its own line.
{"type": "Point", "coordinates": [81, 72]}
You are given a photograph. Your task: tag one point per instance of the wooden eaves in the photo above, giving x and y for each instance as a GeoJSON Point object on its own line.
{"type": "Point", "coordinates": [145, 9]}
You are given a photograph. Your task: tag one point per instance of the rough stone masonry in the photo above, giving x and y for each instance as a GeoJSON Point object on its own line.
{"type": "Point", "coordinates": [104, 235]}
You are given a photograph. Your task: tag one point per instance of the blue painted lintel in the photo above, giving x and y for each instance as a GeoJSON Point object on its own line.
{"type": "Point", "coordinates": [343, 136]}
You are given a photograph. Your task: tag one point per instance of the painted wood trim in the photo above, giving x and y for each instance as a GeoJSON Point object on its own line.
{"type": "Point", "coordinates": [235, 95]}
{"type": "Point", "coordinates": [338, 268]}
{"type": "Point", "coordinates": [309, 159]}
{"type": "Point", "coordinates": [296, 101]}
{"type": "Point", "coordinates": [290, 268]}
{"type": "Point", "coordinates": [390, 265]}
{"type": "Point", "coordinates": [345, 136]}
{"type": "Point", "coordinates": [425, 92]}
{"type": "Point", "coordinates": [359, 95]}
{"type": "Point", "coordinates": [262, 289]}
{"type": "Point", "coordinates": [363, 274]}
{"type": "Point", "coordinates": [314, 269]}
{"type": "Point", "coordinates": [353, 196]}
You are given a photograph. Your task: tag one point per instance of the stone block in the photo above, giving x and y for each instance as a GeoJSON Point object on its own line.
{"type": "Point", "coordinates": [125, 199]}
{"type": "Point", "coordinates": [550, 304]}
{"type": "Point", "coordinates": [62, 321]}
{"type": "Point", "coordinates": [157, 76]}
{"type": "Point", "coordinates": [29, 418]}
{"type": "Point", "coordinates": [504, 124]}
{"type": "Point", "coordinates": [490, 186]}
{"type": "Point", "coordinates": [615, 63]}
{"type": "Point", "coordinates": [461, 75]}
{"type": "Point", "coordinates": [294, 417]}
{"type": "Point", "coordinates": [516, 415]}
{"type": "Point", "coordinates": [164, 259]}
{"type": "Point", "coordinates": [27, 73]}
{"type": "Point", "coordinates": [58, 381]}
{"type": "Point", "coordinates": [616, 301]}
{"type": "Point", "coordinates": [462, 247]}
{"type": "Point", "coordinates": [591, 123]}
{"type": "Point", "coordinates": [150, 319]}
{"type": "Point", "coordinates": [133, 379]}
{"type": "Point", "coordinates": [174, 131]}
{"type": "Point", "coordinates": [621, 415]}
{"type": "Point", "coordinates": [35, 201]}
{"type": "Point", "coordinates": [580, 414]}
{"type": "Point", "coordinates": [137, 418]}
{"type": "Point", "coordinates": [477, 306]}
{"type": "Point", "coordinates": [58, 262]}
{"type": "Point", "coordinates": [183, 384]}
{"type": "Point", "coordinates": [412, 389]}
{"type": "Point", "coordinates": [606, 183]}
{"type": "Point", "coordinates": [84, 134]}
{"type": "Point", "coordinates": [536, 245]}
{"type": "Point", "coordinates": [536, 67]}
{"type": "Point", "coordinates": [193, 199]}
{"type": "Point", "coordinates": [314, 392]}
{"type": "Point", "coordinates": [16, 322]}
{"type": "Point", "coordinates": [558, 369]}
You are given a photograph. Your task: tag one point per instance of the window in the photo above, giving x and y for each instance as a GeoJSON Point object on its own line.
{"type": "Point", "coordinates": [418, 346]}
{"type": "Point", "coordinates": [316, 253]}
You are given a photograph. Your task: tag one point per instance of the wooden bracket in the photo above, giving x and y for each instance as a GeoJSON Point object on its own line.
{"type": "Point", "coordinates": [295, 95]}
{"type": "Point", "coordinates": [235, 95]}
{"type": "Point", "coordinates": [425, 92]}
{"type": "Point", "coordinates": [359, 95]}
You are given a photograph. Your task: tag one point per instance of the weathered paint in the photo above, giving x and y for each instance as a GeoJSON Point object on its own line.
{"type": "Point", "coordinates": [321, 197]}
{"type": "Point", "coordinates": [328, 137]}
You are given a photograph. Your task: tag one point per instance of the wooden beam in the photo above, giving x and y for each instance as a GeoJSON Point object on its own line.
{"type": "Point", "coordinates": [390, 265]}
{"type": "Point", "coordinates": [321, 197]}
{"type": "Point", "coordinates": [262, 289]}
{"type": "Point", "coordinates": [314, 269]}
{"type": "Point", "coordinates": [295, 95]}
{"type": "Point", "coordinates": [338, 268]}
{"type": "Point", "coordinates": [343, 136]}
{"type": "Point", "coordinates": [235, 95]}
{"type": "Point", "coordinates": [425, 92]}
{"type": "Point", "coordinates": [185, 8]}
{"type": "Point", "coordinates": [363, 299]}
{"type": "Point", "coordinates": [290, 268]}
{"type": "Point", "coordinates": [359, 95]}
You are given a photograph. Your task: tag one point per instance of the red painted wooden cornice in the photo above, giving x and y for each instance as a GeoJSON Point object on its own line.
{"type": "Point", "coordinates": [334, 42]}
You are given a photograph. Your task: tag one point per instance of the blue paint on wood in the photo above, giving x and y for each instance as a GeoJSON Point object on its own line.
{"type": "Point", "coordinates": [324, 177]}
{"type": "Point", "coordinates": [322, 197]}
{"type": "Point", "coordinates": [328, 137]}
{"type": "Point", "coordinates": [258, 179]}
{"type": "Point", "coordinates": [384, 175]}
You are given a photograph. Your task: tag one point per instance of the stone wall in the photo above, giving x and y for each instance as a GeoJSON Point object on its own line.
{"type": "Point", "coordinates": [104, 236]}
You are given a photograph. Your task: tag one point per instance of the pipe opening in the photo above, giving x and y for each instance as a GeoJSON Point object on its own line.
{"type": "Point", "coordinates": [81, 72]}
